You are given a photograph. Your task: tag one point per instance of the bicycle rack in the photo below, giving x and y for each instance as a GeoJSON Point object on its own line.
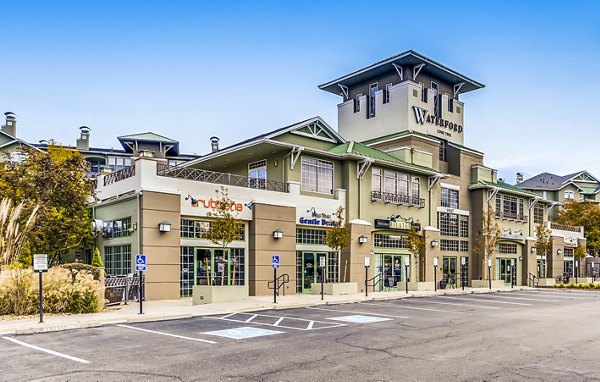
{"type": "Point", "coordinates": [281, 281]}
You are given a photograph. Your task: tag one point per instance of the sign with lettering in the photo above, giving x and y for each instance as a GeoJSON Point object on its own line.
{"type": "Point", "coordinates": [316, 221]}
{"type": "Point", "coordinates": [40, 262]}
{"type": "Point", "coordinates": [214, 203]}
{"type": "Point", "coordinates": [422, 117]}
{"type": "Point", "coordinates": [397, 224]}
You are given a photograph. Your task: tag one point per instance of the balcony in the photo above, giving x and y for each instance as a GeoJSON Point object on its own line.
{"type": "Point", "coordinates": [125, 173]}
{"type": "Point", "coordinates": [564, 227]}
{"type": "Point", "coordinates": [220, 178]}
{"type": "Point", "coordinates": [512, 216]}
{"type": "Point", "coordinates": [403, 200]}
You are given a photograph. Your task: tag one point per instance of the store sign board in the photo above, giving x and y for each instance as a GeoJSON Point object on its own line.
{"type": "Point", "coordinates": [398, 224]}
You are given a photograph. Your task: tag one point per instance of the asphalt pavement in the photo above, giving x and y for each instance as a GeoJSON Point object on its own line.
{"type": "Point", "coordinates": [545, 335]}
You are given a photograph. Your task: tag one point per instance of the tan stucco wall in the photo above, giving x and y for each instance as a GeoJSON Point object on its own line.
{"type": "Point", "coordinates": [161, 249]}
{"type": "Point", "coordinates": [267, 218]}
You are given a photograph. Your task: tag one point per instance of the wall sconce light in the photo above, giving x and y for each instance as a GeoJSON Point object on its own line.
{"type": "Point", "coordinates": [277, 234]}
{"type": "Point", "coordinates": [533, 249]}
{"type": "Point", "coordinates": [164, 226]}
{"type": "Point", "coordinates": [520, 258]}
{"type": "Point", "coordinates": [362, 239]}
{"type": "Point", "coordinates": [434, 243]}
{"type": "Point", "coordinates": [559, 251]}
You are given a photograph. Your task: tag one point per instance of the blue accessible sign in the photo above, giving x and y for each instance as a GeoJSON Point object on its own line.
{"type": "Point", "coordinates": [140, 263]}
{"type": "Point", "coordinates": [275, 262]}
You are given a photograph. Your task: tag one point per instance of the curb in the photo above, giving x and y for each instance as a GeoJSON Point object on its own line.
{"type": "Point", "coordinates": [56, 328]}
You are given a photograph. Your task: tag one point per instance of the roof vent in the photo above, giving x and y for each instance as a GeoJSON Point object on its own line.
{"type": "Point", "coordinates": [214, 144]}
{"type": "Point", "coordinates": [519, 177]}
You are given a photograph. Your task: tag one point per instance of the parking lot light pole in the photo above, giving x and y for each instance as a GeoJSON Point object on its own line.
{"type": "Point", "coordinates": [435, 265]}
{"type": "Point", "coordinates": [489, 264]}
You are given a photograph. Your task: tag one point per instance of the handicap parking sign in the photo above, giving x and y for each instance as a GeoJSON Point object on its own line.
{"type": "Point", "coordinates": [275, 262]}
{"type": "Point", "coordinates": [140, 263]}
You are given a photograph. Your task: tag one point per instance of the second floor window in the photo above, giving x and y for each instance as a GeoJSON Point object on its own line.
{"type": "Point", "coordinates": [317, 175]}
{"type": "Point", "coordinates": [510, 207]}
{"type": "Point", "coordinates": [569, 195]}
{"type": "Point", "coordinates": [257, 174]}
{"type": "Point", "coordinates": [395, 183]}
{"type": "Point", "coordinates": [538, 213]}
{"type": "Point", "coordinates": [449, 198]}
{"type": "Point", "coordinates": [415, 188]}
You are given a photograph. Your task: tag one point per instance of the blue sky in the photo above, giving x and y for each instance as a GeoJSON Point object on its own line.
{"type": "Point", "coordinates": [235, 69]}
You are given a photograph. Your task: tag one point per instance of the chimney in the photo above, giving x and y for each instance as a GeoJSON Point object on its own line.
{"type": "Point", "coordinates": [214, 144]}
{"type": "Point", "coordinates": [83, 143]}
{"type": "Point", "coordinates": [10, 127]}
{"type": "Point", "coordinates": [519, 177]}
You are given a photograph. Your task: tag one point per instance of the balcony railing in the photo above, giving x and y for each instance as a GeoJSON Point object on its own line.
{"type": "Point", "coordinates": [125, 173]}
{"type": "Point", "coordinates": [220, 178]}
{"type": "Point", "coordinates": [512, 215]}
{"type": "Point", "coordinates": [405, 200]}
{"type": "Point", "coordinates": [564, 227]}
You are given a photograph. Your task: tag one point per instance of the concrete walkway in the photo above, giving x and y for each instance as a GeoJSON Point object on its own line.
{"type": "Point", "coordinates": [183, 308]}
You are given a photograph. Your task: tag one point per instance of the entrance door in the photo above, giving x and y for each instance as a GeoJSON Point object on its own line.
{"type": "Point", "coordinates": [541, 268]}
{"type": "Point", "coordinates": [204, 267]}
{"type": "Point", "coordinates": [449, 270]}
{"type": "Point", "coordinates": [392, 270]}
{"type": "Point", "coordinates": [505, 270]}
{"type": "Point", "coordinates": [309, 271]}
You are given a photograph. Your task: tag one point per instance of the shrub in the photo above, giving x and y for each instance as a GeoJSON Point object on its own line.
{"type": "Point", "coordinates": [571, 285]}
{"type": "Point", "coordinates": [97, 260]}
{"type": "Point", "coordinates": [597, 286]}
{"type": "Point", "coordinates": [590, 285]}
{"type": "Point", "coordinates": [561, 285]}
{"type": "Point", "coordinates": [74, 268]}
{"type": "Point", "coordinates": [66, 290]}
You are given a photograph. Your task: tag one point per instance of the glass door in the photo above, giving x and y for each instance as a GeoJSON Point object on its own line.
{"type": "Point", "coordinates": [449, 271]}
{"type": "Point", "coordinates": [392, 270]}
{"type": "Point", "coordinates": [309, 270]}
{"type": "Point", "coordinates": [203, 266]}
{"type": "Point", "coordinates": [541, 268]}
{"type": "Point", "coordinates": [505, 270]}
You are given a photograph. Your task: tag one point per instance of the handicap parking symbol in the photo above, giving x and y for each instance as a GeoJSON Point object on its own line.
{"type": "Point", "coordinates": [275, 262]}
{"type": "Point", "coordinates": [140, 263]}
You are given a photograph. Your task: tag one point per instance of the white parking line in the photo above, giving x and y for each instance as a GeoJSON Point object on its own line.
{"type": "Point", "coordinates": [167, 334]}
{"type": "Point", "coordinates": [522, 298]}
{"type": "Point", "coordinates": [251, 318]}
{"type": "Point", "coordinates": [412, 307]}
{"type": "Point", "coordinates": [278, 321]}
{"type": "Point", "coordinates": [457, 304]}
{"type": "Point", "coordinates": [309, 323]}
{"type": "Point", "coordinates": [355, 312]}
{"type": "Point", "coordinates": [557, 295]}
{"type": "Point", "coordinates": [482, 300]}
{"type": "Point", "coordinates": [47, 350]}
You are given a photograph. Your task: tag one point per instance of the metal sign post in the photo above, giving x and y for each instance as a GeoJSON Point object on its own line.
{"type": "Point", "coordinates": [463, 262]}
{"type": "Point", "coordinates": [322, 266]}
{"type": "Point", "coordinates": [367, 262]}
{"type": "Point", "coordinates": [275, 265]}
{"type": "Point", "coordinates": [406, 270]}
{"type": "Point", "coordinates": [576, 270]}
{"type": "Point", "coordinates": [40, 265]}
{"type": "Point", "coordinates": [512, 273]}
{"type": "Point", "coordinates": [489, 264]}
{"type": "Point", "coordinates": [435, 265]}
{"type": "Point", "coordinates": [140, 266]}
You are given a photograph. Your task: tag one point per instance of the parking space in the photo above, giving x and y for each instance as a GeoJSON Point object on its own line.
{"type": "Point", "coordinates": [374, 325]}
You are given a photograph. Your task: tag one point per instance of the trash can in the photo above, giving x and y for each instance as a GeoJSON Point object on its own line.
{"type": "Point", "coordinates": [443, 283]}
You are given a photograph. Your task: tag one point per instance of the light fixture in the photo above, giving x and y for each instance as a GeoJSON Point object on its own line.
{"type": "Point", "coordinates": [533, 249]}
{"type": "Point", "coordinates": [520, 258]}
{"type": "Point", "coordinates": [434, 243]}
{"type": "Point", "coordinates": [164, 226]}
{"type": "Point", "coordinates": [277, 234]}
{"type": "Point", "coordinates": [559, 251]}
{"type": "Point", "coordinates": [362, 239]}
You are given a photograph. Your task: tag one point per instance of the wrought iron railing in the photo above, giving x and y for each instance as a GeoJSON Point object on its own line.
{"type": "Point", "coordinates": [220, 178]}
{"type": "Point", "coordinates": [405, 200]}
{"type": "Point", "coordinates": [512, 215]}
{"type": "Point", "coordinates": [125, 173]}
{"type": "Point", "coordinates": [122, 289]}
{"type": "Point", "coordinates": [564, 227]}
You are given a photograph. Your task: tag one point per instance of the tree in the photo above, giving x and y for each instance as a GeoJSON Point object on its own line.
{"type": "Point", "coordinates": [489, 236]}
{"type": "Point", "coordinates": [416, 242]}
{"type": "Point", "coordinates": [13, 233]}
{"type": "Point", "coordinates": [542, 244]}
{"type": "Point", "coordinates": [57, 182]}
{"type": "Point", "coordinates": [97, 260]}
{"type": "Point", "coordinates": [585, 214]}
{"type": "Point", "coordinates": [338, 236]}
{"type": "Point", "coordinates": [225, 227]}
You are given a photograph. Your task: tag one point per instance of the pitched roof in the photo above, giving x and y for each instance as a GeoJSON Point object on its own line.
{"type": "Point", "coordinates": [502, 185]}
{"type": "Point", "coordinates": [360, 149]}
{"type": "Point", "coordinates": [149, 136]}
{"type": "Point", "coordinates": [408, 58]}
{"type": "Point", "coordinates": [550, 182]}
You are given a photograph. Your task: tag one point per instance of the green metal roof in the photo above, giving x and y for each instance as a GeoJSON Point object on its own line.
{"type": "Point", "coordinates": [398, 135]}
{"type": "Point", "coordinates": [504, 186]}
{"type": "Point", "coordinates": [360, 149]}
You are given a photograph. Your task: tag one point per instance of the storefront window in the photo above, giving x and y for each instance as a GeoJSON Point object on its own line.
{"type": "Point", "coordinates": [117, 260]}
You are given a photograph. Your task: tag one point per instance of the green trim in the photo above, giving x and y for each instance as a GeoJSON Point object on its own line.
{"type": "Point", "coordinates": [504, 186]}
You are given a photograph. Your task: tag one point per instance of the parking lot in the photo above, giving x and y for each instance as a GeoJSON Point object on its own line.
{"type": "Point", "coordinates": [535, 334]}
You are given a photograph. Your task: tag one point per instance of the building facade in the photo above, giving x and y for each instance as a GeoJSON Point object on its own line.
{"type": "Point", "coordinates": [397, 163]}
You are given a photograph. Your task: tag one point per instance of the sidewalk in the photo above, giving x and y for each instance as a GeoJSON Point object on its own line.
{"type": "Point", "coordinates": [177, 309]}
